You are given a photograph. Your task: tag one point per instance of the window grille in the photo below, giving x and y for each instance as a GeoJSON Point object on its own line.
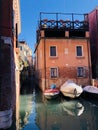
{"type": "Point", "coordinates": [81, 72]}
{"type": "Point", "coordinates": [54, 72]}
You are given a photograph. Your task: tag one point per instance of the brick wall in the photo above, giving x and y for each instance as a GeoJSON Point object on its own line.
{"type": "Point", "coordinates": [65, 73]}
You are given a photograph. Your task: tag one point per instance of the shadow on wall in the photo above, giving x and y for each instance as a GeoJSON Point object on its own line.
{"type": "Point", "coordinates": [29, 80]}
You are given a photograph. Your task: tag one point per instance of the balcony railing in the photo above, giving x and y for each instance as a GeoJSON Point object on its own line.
{"type": "Point", "coordinates": [57, 21]}
{"type": "Point", "coordinates": [61, 24]}
{"type": "Point", "coordinates": [68, 22]}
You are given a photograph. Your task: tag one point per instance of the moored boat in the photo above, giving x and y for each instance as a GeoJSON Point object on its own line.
{"type": "Point", "coordinates": [90, 91]}
{"type": "Point", "coordinates": [70, 89]}
{"type": "Point", "coordinates": [51, 93]}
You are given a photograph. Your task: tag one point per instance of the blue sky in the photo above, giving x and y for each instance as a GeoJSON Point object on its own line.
{"type": "Point", "coordinates": [30, 10]}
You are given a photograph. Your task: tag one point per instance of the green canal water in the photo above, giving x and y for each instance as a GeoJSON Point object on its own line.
{"type": "Point", "coordinates": [37, 113]}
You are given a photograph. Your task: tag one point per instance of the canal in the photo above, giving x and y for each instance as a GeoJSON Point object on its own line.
{"type": "Point", "coordinates": [37, 113]}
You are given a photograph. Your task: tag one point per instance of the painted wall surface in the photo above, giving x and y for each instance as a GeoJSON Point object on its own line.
{"type": "Point", "coordinates": [66, 60]}
{"type": "Point", "coordinates": [66, 52]}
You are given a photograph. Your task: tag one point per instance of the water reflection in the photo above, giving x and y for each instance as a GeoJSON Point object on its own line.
{"type": "Point", "coordinates": [25, 109]}
{"type": "Point", "coordinates": [73, 107]}
{"type": "Point", "coordinates": [27, 112]}
{"type": "Point", "coordinates": [59, 115]}
{"type": "Point", "coordinates": [38, 113]}
{"type": "Point", "coordinates": [66, 114]}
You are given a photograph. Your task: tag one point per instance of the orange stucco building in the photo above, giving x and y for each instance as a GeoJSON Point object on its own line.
{"type": "Point", "coordinates": [63, 52]}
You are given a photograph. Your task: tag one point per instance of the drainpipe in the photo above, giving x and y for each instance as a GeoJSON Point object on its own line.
{"type": "Point", "coordinates": [89, 60]}
{"type": "Point", "coordinates": [45, 62]}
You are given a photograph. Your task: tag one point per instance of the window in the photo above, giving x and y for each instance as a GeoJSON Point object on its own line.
{"type": "Point", "coordinates": [79, 51]}
{"type": "Point", "coordinates": [53, 51]}
{"type": "Point", "coordinates": [80, 72]}
{"type": "Point", "coordinates": [54, 72]}
{"type": "Point", "coordinates": [20, 48]}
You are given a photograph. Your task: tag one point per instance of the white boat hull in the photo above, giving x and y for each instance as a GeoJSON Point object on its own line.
{"type": "Point", "coordinates": [71, 95]}
{"type": "Point", "coordinates": [51, 93]}
{"type": "Point", "coordinates": [71, 90]}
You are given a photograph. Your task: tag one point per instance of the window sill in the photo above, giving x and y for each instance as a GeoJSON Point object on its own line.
{"type": "Point", "coordinates": [80, 57]}
{"type": "Point", "coordinates": [54, 78]}
{"type": "Point", "coordinates": [53, 57]}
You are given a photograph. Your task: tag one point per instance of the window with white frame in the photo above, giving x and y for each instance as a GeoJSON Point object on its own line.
{"type": "Point", "coordinates": [81, 72]}
{"type": "Point", "coordinates": [54, 72]}
{"type": "Point", "coordinates": [53, 51]}
{"type": "Point", "coordinates": [79, 51]}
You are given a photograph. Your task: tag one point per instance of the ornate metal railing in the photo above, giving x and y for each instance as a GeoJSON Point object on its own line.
{"type": "Point", "coordinates": [62, 21]}
{"type": "Point", "coordinates": [61, 24]}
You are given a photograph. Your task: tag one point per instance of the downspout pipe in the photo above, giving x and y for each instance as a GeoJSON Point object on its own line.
{"type": "Point", "coordinates": [89, 60]}
{"type": "Point", "coordinates": [44, 62]}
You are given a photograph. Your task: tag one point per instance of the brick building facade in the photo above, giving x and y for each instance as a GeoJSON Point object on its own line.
{"type": "Point", "coordinates": [63, 52]}
{"type": "Point", "coordinates": [8, 63]}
